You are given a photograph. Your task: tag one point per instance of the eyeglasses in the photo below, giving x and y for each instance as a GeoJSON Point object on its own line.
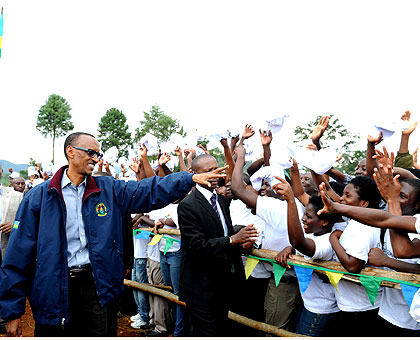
{"type": "Point", "coordinates": [91, 153]}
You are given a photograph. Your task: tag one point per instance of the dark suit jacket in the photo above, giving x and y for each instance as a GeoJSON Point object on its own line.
{"type": "Point", "coordinates": [207, 255]}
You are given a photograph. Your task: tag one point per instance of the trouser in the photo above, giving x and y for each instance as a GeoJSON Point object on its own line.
{"type": "Point", "coordinates": [160, 313]}
{"type": "Point", "coordinates": [282, 303]}
{"type": "Point", "coordinates": [253, 306]}
{"type": "Point", "coordinates": [207, 320]}
{"type": "Point", "coordinates": [363, 323]}
{"type": "Point", "coordinates": [139, 274]}
{"type": "Point", "coordinates": [385, 328]}
{"type": "Point", "coordinates": [170, 265]}
{"type": "Point", "coordinates": [316, 324]}
{"type": "Point", "coordinates": [86, 315]}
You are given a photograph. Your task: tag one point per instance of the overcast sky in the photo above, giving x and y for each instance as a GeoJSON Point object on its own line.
{"type": "Point", "coordinates": [210, 64]}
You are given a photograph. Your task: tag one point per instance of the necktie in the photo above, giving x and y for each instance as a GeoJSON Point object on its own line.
{"type": "Point", "coordinates": [214, 206]}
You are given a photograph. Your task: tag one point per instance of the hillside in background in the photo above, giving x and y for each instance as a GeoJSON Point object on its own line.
{"type": "Point", "coordinates": [16, 167]}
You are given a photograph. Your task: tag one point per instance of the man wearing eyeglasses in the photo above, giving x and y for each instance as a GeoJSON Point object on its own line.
{"type": "Point", "coordinates": [67, 244]}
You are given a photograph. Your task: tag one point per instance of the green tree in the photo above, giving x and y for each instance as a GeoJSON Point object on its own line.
{"type": "Point", "coordinates": [336, 136]}
{"type": "Point", "coordinates": [54, 118]}
{"type": "Point", "coordinates": [113, 131]}
{"type": "Point", "coordinates": [160, 125]}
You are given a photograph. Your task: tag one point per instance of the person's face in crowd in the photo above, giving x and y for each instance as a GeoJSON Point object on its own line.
{"type": "Point", "coordinates": [408, 199]}
{"type": "Point", "coordinates": [208, 164]}
{"type": "Point", "coordinates": [18, 184]}
{"type": "Point", "coordinates": [311, 221]}
{"type": "Point", "coordinates": [308, 184]}
{"type": "Point", "coordinates": [266, 190]}
{"type": "Point", "coordinates": [361, 168]}
{"type": "Point", "coordinates": [32, 178]}
{"type": "Point", "coordinates": [45, 176]}
{"type": "Point", "coordinates": [79, 160]}
{"type": "Point", "coordinates": [351, 197]}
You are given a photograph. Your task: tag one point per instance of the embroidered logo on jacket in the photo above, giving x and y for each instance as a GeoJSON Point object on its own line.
{"type": "Point", "coordinates": [16, 224]}
{"type": "Point", "coordinates": [101, 209]}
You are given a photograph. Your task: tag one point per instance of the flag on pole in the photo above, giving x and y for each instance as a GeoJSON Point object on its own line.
{"type": "Point", "coordinates": [1, 29]}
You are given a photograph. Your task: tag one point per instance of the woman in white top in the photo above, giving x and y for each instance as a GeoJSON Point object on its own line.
{"type": "Point", "coordinates": [320, 314]}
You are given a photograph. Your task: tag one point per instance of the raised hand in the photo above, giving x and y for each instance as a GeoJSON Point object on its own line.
{"type": "Point", "coordinates": [135, 166]}
{"type": "Point", "coordinates": [384, 158]}
{"type": "Point", "coordinates": [375, 140]}
{"type": "Point", "coordinates": [164, 158]}
{"type": "Point", "coordinates": [248, 132]}
{"type": "Point", "coordinates": [388, 186]}
{"type": "Point", "coordinates": [224, 143]}
{"type": "Point", "coordinates": [406, 117]}
{"type": "Point", "coordinates": [178, 151]}
{"type": "Point", "coordinates": [143, 150]}
{"type": "Point", "coordinates": [266, 137]}
{"type": "Point", "coordinates": [312, 147]}
{"type": "Point", "coordinates": [284, 189]}
{"type": "Point", "coordinates": [204, 178]}
{"type": "Point", "coordinates": [204, 149]}
{"type": "Point", "coordinates": [329, 205]}
{"type": "Point", "coordinates": [319, 130]}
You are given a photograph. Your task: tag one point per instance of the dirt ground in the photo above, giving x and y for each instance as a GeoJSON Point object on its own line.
{"type": "Point", "coordinates": [124, 328]}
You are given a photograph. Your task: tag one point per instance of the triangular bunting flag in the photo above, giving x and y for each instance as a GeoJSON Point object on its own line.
{"type": "Point", "coordinates": [408, 292]}
{"type": "Point", "coordinates": [334, 278]}
{"type": "Point", "coordinates": [168, 244]}
{"type": "Point", "coordinates": [250, 265]}
{"type": "Point", "coordinates": [371, 285]}
{"type": "Point", "coordinates": [155, 240]}
{"type": "Point", "coordinates": [304, 276]}
{"type": "Point", "coordinates": [278, 272]}
{"type": "Point", "coordinates": [143, 235]}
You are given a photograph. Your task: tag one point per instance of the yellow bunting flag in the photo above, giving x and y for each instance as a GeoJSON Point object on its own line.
{"type": "Point", "coordinates": [155, 240]}
{"type": "Point", "coordinates": [250, 265]}
{"type": "Point", "coordinates": [334, 278]}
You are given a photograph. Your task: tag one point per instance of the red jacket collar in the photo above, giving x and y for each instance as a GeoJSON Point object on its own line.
{"type": "Point", "coordinates": [55, 183]}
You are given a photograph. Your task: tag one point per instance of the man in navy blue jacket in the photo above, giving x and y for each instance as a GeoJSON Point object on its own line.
{"type": "Point", "coordinates": [65, 249]}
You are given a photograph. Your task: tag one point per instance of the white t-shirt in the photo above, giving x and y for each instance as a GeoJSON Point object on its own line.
{"type": "Point", "coordinates": [393, 306]}
{"type": "Point", "coordinates": [170, 211]}
{"type": "Point", "coordinates": [357, 240]}
{"type": "Point", "coordinates": [415, 307]}
{"type": "Point", "coordinates": [319, 297]}
{"type": "Point", "coordinates": [153, 252]}
{"type": "Point", "coordinates": [274, 213]}
{"type": "Point", "coordinates": [241, 215]}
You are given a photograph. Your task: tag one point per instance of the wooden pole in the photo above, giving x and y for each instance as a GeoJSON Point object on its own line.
{"type": "Point", "coordinates": [367, 270]}
{"type": "Point", "coordinates": [233, 316]}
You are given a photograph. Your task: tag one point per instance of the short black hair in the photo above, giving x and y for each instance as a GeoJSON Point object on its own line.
{"type": "Point", "coordinates": [367, 190]}
{"type": "Point", "coordinates": [415, 184]}
{"type": "Point", "coordinates": [415, 172]}
{"type": "Point", "coordinates": [72, 139]}
{"type": "Point", "coordinates": [337, 187]}
{"type": "Point", "coordinates": [316, 201]}
{"type": "Point", "coordinates": [196, 160]}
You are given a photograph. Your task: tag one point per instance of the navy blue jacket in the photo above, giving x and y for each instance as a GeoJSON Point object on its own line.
{"type": "Point", "coordinates": [35, 263]}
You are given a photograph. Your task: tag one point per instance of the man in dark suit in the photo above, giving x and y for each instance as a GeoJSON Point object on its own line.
{"type": "Point", "coordinates": [211, 261]}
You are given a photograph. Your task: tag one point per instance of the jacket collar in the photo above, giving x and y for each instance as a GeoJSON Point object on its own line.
{"type": "Point", "coordinates": [55, 183]}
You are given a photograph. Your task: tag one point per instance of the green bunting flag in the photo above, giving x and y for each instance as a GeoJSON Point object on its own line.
{"type": "Point", "coordinates": [371, 285]}
{"type": "Point", "coordinates": [168, 244]}
{"type": "Point", "coordinates": [278, 272]}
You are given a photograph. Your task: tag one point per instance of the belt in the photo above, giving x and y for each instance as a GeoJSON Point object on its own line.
{"type": "Point", "coordinates": [80, 271]}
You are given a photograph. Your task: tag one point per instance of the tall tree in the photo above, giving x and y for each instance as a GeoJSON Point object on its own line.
{"type": "Point", "coordinates": [160, 125]}
{"type": "Point", "coordinates": [113, 131]}
{"type": "Point", "coordinates": [336, 136]}
{"type": "Point", "coordinates": [54, 118]}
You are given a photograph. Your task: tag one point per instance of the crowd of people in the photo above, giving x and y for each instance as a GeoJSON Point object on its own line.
{"type": "Point", "coordinates": [76, 235]}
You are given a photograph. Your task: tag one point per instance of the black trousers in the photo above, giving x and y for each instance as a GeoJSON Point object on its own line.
{"type": "Point", "coordinates": [86, 316]}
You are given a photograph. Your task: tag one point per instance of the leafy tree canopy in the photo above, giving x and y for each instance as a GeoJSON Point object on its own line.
{"type": "Point", "coordinates": [336, 136]}
{"type": "Point", "coordinates": [54, 118]}
{"type": "Point", "coordinates": [160, 125]}
{"type": "Point", "coordinates": [113, 131]}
